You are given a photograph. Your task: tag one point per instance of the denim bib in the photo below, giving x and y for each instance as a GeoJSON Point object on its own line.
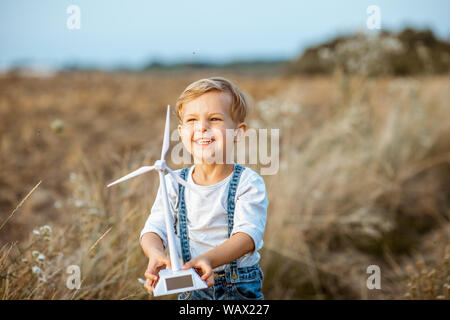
{"type": "Point", "coordinates": [233, 282]}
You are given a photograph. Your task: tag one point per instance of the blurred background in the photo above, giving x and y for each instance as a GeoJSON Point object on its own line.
{"type": "Point", "coordinates": [359, 91]}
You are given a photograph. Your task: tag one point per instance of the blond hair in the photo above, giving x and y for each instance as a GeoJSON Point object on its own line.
{"type": "Point", "coordinates": [239, 101]}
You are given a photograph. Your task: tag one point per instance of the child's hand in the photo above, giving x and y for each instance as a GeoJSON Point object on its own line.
{"type": "Point", "coordinates": [156, 262]}
{"type": "Point", "coordinates": [203, 267]}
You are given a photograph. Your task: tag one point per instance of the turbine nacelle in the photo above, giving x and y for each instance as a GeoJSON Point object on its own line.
{"type": "Point", "coordinates": [160, 165]}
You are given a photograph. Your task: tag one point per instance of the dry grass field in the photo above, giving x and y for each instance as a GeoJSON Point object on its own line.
{"type": "Point", "coordinates": [364, 180]}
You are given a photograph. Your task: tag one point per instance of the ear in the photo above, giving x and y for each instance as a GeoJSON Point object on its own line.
{"type": "Point", "coordinates": [240, 131]}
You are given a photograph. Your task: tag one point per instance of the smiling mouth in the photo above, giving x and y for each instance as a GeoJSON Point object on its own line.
{"type": "Point", "coordinates": [204, 142]}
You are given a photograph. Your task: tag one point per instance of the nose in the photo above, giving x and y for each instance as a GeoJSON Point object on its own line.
{"type": "Point", "coordinates": [202, 126]}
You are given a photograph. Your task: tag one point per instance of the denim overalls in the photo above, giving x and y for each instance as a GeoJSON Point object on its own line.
{"type": "Point", "coordinates": [232, 283]}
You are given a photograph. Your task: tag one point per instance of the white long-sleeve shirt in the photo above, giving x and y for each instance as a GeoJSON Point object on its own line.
{"type": "Point", "coordinates": [207, 220]}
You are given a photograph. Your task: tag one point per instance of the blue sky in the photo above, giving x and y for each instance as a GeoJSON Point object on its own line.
{"type": "Point", "coordinates": [135, 32]}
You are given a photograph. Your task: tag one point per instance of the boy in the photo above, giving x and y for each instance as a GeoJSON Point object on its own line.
{"type": "Point", "coordinates": [221, 232]}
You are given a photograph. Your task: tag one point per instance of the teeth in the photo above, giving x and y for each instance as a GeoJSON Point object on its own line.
{"type": "Point", "coordinates": [203, 141]}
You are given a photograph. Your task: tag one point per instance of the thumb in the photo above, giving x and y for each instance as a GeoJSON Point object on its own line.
{"type": "Point", "coordinates": [167, 263]}
{"type": "Point", "coordinates": [187, 265]}
{"type": "Point", "coordinates": [151, 269]}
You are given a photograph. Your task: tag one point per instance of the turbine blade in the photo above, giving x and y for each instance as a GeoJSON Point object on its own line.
{"type": "Point", "coordinates": [132, 174]}
{"type": "Point", "coordinates": [166, 141]}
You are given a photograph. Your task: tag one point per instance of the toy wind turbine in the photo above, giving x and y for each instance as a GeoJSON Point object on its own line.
{"type": "Point", "coordinates": [175, 280]}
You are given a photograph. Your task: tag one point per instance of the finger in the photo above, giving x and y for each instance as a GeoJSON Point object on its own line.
{"type": "Point", "coordinates": [161, 264]}
{"type": "Point", "coordinates": [150, 276]}
{"type": "Point", "coordinates": [155, 282]}
{"type": "Point", "coordinates": [151, 269]}
{"type": "Point", "coordinates": [148, 286]}
{"type": "Point", "coordinates": [210, 281]}
{"type": "Point", "coordinates": [206, 272]}
{"type": "Point", "coordinates": [187, 265]}
{"type": "Point", "coordinates": [167, 263]}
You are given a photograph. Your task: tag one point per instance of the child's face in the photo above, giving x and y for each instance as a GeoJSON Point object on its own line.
{"type": "Point", "coordinates": [205, 121]}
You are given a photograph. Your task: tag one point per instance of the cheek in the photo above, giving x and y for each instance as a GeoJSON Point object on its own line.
{"type": "Point", "coordinates": [219, 133]}
{"type": "Point", "coordinates": [224, 135]}
{"type": "Point", "coordinates": [186, 137]}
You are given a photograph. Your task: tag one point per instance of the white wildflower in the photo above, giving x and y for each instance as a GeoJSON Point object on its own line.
{"type": "Point", "coordinates": [45, 230]}
{"type": "Point", "coordinates": [35, 253]}
{"type": "Point", "coordinates": [36, 232]}
{"type": "Point", "coordinates": [57, 125]}
{"type": "Point", "coordinates": [40, 258]}
{"type": "Point", "coordinates": [79, 203]}
{"type": "Point", "coordinates": [36, 270]}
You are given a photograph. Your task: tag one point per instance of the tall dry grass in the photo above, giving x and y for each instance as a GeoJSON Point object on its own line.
{"type": "Point", "coordinates": [346, 181]}
{"type": "Point", "coordinates": [363, 179]}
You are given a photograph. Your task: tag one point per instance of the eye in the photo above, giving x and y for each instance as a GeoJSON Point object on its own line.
{"type": "Point", "coordinates": [216, 119]}
{"type": "Point", "coordinates": [190, 120]}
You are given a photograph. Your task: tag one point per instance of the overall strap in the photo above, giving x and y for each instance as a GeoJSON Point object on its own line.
{"type": "Point", "coordinates": [185, 250]}
{"type": "Point", "coordinates": [231, 205]}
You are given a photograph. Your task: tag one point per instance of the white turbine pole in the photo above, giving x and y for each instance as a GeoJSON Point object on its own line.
{"type": "Point", "coordinates": [174, 260]}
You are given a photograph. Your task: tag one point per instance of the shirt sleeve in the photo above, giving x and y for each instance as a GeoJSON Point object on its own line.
{"type": "Point", "coordinates": [251, 208]}
{"type": "Point", "coordinates": [156, 220]}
